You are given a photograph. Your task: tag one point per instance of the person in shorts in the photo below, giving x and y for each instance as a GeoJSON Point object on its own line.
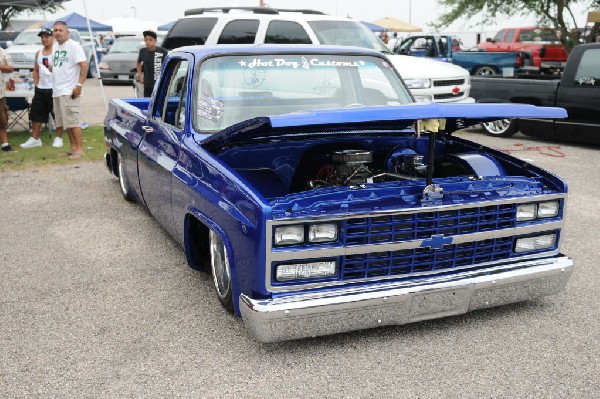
{"type": "Point", "coordinates": [42, 103]}
{"type": "Point", "coordinates": [5, 67]}
{"type": "Point", "coordinates": [69, 70]}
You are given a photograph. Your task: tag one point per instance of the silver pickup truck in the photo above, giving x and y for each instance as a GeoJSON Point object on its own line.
{"type": "Point", "coordinates": [23, 48]}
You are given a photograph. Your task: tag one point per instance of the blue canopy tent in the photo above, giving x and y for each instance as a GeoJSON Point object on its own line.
{"type": "Point", "coordinates": [167, 26]}
{"type": "Point", "coordinates": [373, 27]}
{"type": "Point", "coordinates": [79, 22]}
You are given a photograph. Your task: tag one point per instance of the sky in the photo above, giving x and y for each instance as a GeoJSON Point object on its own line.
{"type": "Point", "coordinates": [417, 12]}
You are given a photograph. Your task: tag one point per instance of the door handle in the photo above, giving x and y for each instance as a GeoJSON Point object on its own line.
{"type": "Point", "coordinates": [148, 129]}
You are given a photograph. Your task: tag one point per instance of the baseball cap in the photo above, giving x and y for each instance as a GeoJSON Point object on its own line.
{"type": "Point", "coordinates": [150, 33]}
{"type": "Point", "coordinates": [45, 31]}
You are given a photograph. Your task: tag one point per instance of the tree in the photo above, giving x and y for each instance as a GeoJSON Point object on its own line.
{"type": "Point", "coordinates": [554, 13]}
{"type": "Point", "coordinates": [10, 9]}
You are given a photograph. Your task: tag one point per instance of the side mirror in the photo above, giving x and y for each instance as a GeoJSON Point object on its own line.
{"type": "Point", "coordinates": [489, 40]}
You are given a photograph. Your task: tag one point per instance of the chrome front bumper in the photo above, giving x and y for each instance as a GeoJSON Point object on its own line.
{"type": "Point", "coordinates": [341, 310]}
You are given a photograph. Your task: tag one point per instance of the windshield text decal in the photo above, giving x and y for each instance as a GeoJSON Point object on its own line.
{"type": "Point", "coordinates": [303, 63]}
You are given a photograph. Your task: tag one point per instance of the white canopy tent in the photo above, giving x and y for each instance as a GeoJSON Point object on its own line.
{"type": "Point", "coordinates": [130, 26]}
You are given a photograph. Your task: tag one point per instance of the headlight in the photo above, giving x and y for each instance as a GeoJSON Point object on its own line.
{"type": "Point", "coordinates": [301, 271]}
{"type": "Point", "coordinates": [535, 243]}
{"type": "Point", "coordinates": [322, 232]}
{"type": "Point", "coordinates": [289, 235]}
{"type": "Point", "coordinates": [526, 212]}
{"type": "Point", "coordinates": [547, 209]}
{"type": "Point", "coordinates": [418, 83]}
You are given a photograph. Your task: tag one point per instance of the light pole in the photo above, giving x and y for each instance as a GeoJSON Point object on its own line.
{"type": "Point", "coordinates": [410, 12]}
{"type": "Point", "coordinates": [134, 12]}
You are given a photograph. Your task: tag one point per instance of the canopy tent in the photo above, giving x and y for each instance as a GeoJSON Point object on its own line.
{"type": "Point", "coordinates": [395, 25]}
{"type": "Point", "coordinates": [373, 27]}
{"type": "Point", "coordinates": [593, 16]}
{"type": "Point", "coordinates": [167, 26]}
{"type": "Point", "coordinates": [79, 22]}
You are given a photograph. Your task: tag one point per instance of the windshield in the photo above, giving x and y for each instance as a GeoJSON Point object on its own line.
{"type": "Point", "coordinates": [347, 33]}
{"type": "Point", "coordinates": [127, 46]}
{"type": "Point", "coordinates": [232, 89]}
{"type": "Point", "coordinates": [27, 38]}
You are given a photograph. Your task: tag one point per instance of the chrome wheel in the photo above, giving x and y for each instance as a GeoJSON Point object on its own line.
{"type": "Point", "coordinates": [485, 71]}
{"type": "Point", "coordinates": [219, 262]}
{"type": "Point", "coordinates": [500, 127]}
{"type": "Point", "coordinates": [123, 183]}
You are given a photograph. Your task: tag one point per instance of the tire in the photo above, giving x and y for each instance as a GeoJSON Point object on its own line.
{"type": "Point", "coordinates": [124, 183]}
{"type": "Point", "coordinates": [91, 68]}
{"type": "Point", "coordinates": [500, 128]}
{"type": "Point", "coordinates": [485, 70]}
{"type": "Point", "coordinates": [219, 264]}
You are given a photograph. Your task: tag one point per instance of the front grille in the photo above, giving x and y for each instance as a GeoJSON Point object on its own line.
{"type": "Point", "coordinates": [449, 82]}
{"type": "Point", "coordinates": [121, 67]}
{"type": "Point", "coordinates": [448, 96]}
{"type": "Point", "coordinates": [22, 57]}
{"type": "Point", "coordinates": [404, 227]}
{"type": "Point", "coordinates": [409, 261]}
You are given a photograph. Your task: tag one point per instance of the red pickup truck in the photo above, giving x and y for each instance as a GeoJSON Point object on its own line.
{"type": "Point", "coordinates": [542, 43]}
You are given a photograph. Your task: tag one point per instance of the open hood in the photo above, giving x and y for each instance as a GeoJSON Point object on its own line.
{"type": "Point", "coordinates": [367, 120]}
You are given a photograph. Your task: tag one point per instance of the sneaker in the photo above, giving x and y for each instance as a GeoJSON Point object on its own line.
{"type": "Point", "coordinates": [7, 148]}
{"type": "Point", "coordinates": [31, 142]}
{"type": "Point", "coordinates": [58, 142]}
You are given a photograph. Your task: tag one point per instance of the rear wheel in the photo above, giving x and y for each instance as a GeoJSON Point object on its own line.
{"type": "Point", "coordinates": [485, 70]}
{"type": "Point", "coordinates": [123, 182]}
{"type": "Point", "coordinates": [219, 262]}
{"type": "Point", "coordinates": [501, 127]}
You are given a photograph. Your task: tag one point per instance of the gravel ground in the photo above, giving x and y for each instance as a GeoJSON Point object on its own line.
{"type": "Point", "coordinates": [97, 301]}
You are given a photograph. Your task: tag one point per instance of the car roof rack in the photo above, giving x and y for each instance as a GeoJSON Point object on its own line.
{"type": "Point", "coordinates": [254, 10]}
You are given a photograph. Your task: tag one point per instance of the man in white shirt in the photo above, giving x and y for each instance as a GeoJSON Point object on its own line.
{"type": "Point", "coordinates": [393, 41]}
{"type": "Point", "coordinates": [69, 70]}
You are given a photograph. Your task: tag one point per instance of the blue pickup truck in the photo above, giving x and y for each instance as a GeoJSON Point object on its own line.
{"type": "Point", "coordinates": [323, 199]}
{"type": "Point", "coordinates": [477, 62]}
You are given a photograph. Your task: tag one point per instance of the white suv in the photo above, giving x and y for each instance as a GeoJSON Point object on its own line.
{"type": "Point", "coordinates": [27, 43]}
{"type": "Point", "coordinates": [428, 80]}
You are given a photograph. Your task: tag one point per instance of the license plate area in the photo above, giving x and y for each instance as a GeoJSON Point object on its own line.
{"type": "Point", "coordinates": [123, 77]}
{"type": "Point", "coordinates": [439, 304]}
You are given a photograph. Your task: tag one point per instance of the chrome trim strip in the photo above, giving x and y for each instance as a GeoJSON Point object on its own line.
{"type": "Point", "coordinates": [343, 310]}
{"type": "Point", "coordinates": [536, 198]}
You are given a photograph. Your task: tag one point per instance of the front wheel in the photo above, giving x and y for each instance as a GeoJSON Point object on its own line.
{"type": "Point", "coordinates": [219, 262]}
{"type": "Point", "coordinates": [485, 70]}
{"type": "Point", "coordinates": [501, 127]}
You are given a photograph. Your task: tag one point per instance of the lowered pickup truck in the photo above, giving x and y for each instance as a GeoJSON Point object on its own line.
{"type": "Point", "coordinates": [324, 200]}
{"type": "Point", "coordinates": [440, 48]}
{"type": "Point", "coordinates": [578, 91]}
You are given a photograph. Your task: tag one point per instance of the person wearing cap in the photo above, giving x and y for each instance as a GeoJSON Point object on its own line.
{"type": "Point", "coordinates": [149, 62]}
{"type": "Point", "coordinates": [41, 105]}
{"type": "Point", "coordinates": [5, 67]}
{"type": "Point", "coordinates": [69, 70]}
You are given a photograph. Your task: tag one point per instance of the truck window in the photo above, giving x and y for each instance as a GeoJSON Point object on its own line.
{"type": "Point", "coordinates": [189, 32]}
{"type": "Point", "coordinates": [499, 36]}
{"type": "Point", "coordinates": [242, 31]}
{"type": "Point", "coordinates": [510, 34]}
{"type": "Point", "coordinates": [174, 109]}
{"type": "Point", "coordinates": [588, 71]}
{"type": "Point", "coordinates": [286, 32]}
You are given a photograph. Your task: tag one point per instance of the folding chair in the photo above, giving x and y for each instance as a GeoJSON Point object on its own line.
{"type": "Point", "coordinates": [18, 112]}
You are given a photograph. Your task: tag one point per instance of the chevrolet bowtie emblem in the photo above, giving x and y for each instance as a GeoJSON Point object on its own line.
{"type": "Point", "coordinates": [436, 241]}
{"type": "Point", "coordinates": [455, 90]}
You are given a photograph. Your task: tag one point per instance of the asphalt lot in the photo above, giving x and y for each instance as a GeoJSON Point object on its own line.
{"type": "Point", "coordinates": [97, 301]}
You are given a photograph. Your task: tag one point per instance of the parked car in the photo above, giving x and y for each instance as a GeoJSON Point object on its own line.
{"type": "Point", "coordinates": [119, 63]}
{"type": "Point", "coordinates": [547, 53]}
{"type": "Point", "coordinates": [578, 91]}
{"type": "Point", "coordinates": [427, 80]}
{"type": "Point", "coordinates": [441, 48]}
{"type": "Point", "coordinates": [6, 38]}
{"type": "Point", "coordinates": [27, 43]}
{"type": "Point", "coordinates": [324, 200]}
